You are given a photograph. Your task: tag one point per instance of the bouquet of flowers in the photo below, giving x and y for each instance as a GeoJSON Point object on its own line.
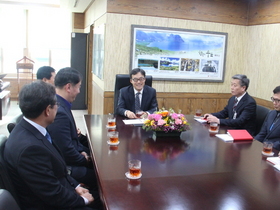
{"type": "Point", "coordinates": [167, 121]}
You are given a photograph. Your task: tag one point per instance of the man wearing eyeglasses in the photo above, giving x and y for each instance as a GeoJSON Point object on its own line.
{"type": "Point", "coordinates": [137, 97]}
{"type": "Point", "coordinates": [240, 112]}
{"type": "Point", "coordinates": [270, 130]}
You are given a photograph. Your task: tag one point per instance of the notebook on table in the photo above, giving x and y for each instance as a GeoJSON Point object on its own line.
{"type": "Point", "coordinates": [240, 135]}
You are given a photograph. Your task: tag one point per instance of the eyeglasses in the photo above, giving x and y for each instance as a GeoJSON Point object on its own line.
{"type": "Point", "coordinates": [275, 100]}
{"type": "Point", "coordinates": [56, 103]}
{"type": "Point", "coordinates": [141, 79]}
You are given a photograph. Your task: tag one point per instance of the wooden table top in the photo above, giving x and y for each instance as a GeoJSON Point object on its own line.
{"type": "Point", "coordinates": [198, 171]}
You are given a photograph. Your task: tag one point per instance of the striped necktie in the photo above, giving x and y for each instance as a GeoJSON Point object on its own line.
{"type": "Point", "coordinates": [48, 137]}
{"type": "Point", "coordinates": [235, 104]}
{"type": "Point", "coordinates": [137, 102]}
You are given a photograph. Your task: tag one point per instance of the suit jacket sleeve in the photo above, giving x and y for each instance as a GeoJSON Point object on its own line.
{"type": "Point", "coordinates": [121, 108]}
{"type": "Point", "coordinates": [61, 133]}
{"type": "Point", "coordinates": [40, 178]}
{"type": "Point", "coordinates": [264, 129]}
{"type": "Point", "coordinates": [151, 104]}
{"type": "Point", "coordinates": [224, 113]}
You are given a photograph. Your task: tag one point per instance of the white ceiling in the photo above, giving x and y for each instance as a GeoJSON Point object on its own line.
{"type": "Point", "coordinates": [78, 6]}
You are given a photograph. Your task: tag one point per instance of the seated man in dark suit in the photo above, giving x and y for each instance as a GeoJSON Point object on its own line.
{"type": "Point", "coordinates": [270, 130]}
{"type": "Point", "coordinates": [240, 112]}
{"type": "Point", "coordinates": [137, 97]}
{"type": "Point", "coordinates": [36, 167]}
{"type": "Point", "coordinates": [64, 131]}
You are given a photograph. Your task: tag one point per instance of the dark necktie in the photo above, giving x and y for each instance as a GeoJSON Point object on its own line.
{"type": "Point", "coordinates": [275, 121]}
{"type": "Point", "coordinates": [137, 102]}
{"type": "Point", "coordinates": [235, 104]}
{"type": "Point", "coordinates": [48, 137]}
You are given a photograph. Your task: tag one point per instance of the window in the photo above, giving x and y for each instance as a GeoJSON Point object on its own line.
{"type": "Point", "coordinates": [41, 34]}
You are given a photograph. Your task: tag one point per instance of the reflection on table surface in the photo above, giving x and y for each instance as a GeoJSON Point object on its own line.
{"type": "Point", "coordinates": [195, 171]}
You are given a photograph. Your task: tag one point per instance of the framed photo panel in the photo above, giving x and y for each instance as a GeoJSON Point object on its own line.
{"type": "Point", "coordinates": [178, 54]}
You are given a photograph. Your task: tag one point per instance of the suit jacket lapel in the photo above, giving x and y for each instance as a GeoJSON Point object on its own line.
{"type": "Point", "coordinates": [68, 112]}
{"type": "Point", "coordinates": [131, 97]}
{"type": "Point", "coordinates": [275, 126]}
{"type": "Point", "coordinates": [144, 98]}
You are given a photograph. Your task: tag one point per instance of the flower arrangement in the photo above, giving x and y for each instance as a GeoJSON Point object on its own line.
{"type": "Point", "coordinates": [167, 121]}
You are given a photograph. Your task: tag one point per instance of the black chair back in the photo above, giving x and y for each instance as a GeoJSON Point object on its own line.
{"type": "Point", "coordinates": [5, 181]}
{"type": "Point", "coordinates": [7, 201]}
{"type": "Point", "coordinates": [13, 122]}
{"type": "Point", "coordinates": [123, 80]}
{"type": "Point", "coordinates": [261, 112]}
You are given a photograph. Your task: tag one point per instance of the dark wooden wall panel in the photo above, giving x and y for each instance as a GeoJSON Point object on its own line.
{"type": "Point", "coordinates": [187, 102]}
{"type": "Point", "coordinates": [264, 12]}
{"type": "Point", "coordinates": [220, 11]}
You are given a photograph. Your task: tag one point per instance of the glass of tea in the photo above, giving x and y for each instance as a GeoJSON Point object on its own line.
{"type": "Point", "coordinates": [213, 127]}
{"type": "Point", "coordinates": [111, 121]}
{"type": "Point", "coordinates": [267, 147]}
{"type": "Point", "coordinates": [139, 113]}
{"type": "Point", "coordinates": [134, 168]}
{"type": "Point", "coordinates": [114, 137]}
{"type": "Point", "coordinates": [198, 112]}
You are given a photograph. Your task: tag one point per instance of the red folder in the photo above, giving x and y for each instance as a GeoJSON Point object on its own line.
{"type": "Point", "coordinates": [238, 135]}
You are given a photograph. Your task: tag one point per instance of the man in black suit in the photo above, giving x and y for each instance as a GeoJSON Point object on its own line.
{"type": "Point", "coordinates": [270, 130]}
{"type": "Point", "coordinates": [36, 167]}
{"type": "Point", "coordinates": [64, 131]}
{"type": "Point", "coordinates": [127, 105]}
{"type": "Point", "coordinates": [240, 112]}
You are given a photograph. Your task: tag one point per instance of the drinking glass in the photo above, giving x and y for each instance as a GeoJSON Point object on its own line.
{"type": "Point", "coordinates": [213, 127]}
{"type": "Point", "coordinates": [114, 137]}
{"type": "Point", "coordinates": [267, 147]}
{"type": "Point", "coordinates": [111, 121]}
{"type": "Point", "coordinates": [134, 168]}
{"type": "Point", "coordinates": [198, 112]}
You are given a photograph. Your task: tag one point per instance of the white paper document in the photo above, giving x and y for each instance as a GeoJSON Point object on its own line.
{"type": "Point", "coordinates": [274, 160]}
{"type": "Point", "coordinates": [136, 122]}
{"type": "Point", "coordinates": [201, 120]}
{"type": "Point", "coordinates": [225, 137]}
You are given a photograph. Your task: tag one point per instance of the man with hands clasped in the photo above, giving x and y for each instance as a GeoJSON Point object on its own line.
{"type": "Point", "coordinates": [137, 97]}
{"type": "Point", "coordinates": [240, 112]}
{"type": "Point", "coordinates": [64, 131]}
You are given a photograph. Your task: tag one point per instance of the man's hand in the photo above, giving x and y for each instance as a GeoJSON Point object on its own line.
{"type": "Point", "coordinates": [212, 118]}
{"type": "Point", "coordinates": [80, 190]}
{"type": "Point", "coordinates": [130, 115]}
{"type": "Point", "coordinates": [86, 156]}
{"type": "Point", "coordinates": [84, 193]}
{"type": "Point", "coordinates": [78, 132]}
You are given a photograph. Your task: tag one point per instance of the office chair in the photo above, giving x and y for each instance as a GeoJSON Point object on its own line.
{"type": "Point", "coordinates": [261, 113]}
{"type": "Point", "coordinates": [5, 181]}
{"type": "Point", "coordinates": [123, 80]}
{"type": "Point", "coordinates": [13, 122]}
{"type": "Point", "coordinates": [7, 201]}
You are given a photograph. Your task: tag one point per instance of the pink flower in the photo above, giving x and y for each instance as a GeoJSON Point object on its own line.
{"type": "Point", "coordinates": [175, 115]}
{"type": "Point", "coordinates": [161, 122]}
{"type": "Point", "coordinates": [157, 117]}
{"type": "Point", "coordinates": [178, 121]}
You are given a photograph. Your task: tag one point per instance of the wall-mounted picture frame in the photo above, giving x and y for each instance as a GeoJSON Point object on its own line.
{"type": "Point", "coordinates": [179, 54]}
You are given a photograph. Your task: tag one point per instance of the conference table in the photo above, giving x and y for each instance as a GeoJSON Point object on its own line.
{"type": "Point", "coordinates": [195, 171]}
